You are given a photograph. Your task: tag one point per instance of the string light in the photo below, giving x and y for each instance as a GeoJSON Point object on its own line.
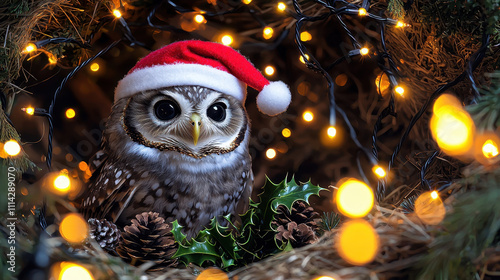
{"type": "Point", "coordinates": [308, 116]}
{"type": "Point", "coordinates": [82, 165]}
{"type": "Point", "coordinates": [332, 131]}
{"type": "Point", "coordinates": [324, 278]}
{"type": "Point", "coordinates": [354, 198]}
{"type": "Point", "coordinates": [382, 83]}
{"type": "Point", "coordinates": [399, 90]}
{"type": "Point", "coordinates": [362, 12]}
{"type": "Point", "coordinates": [94, 67]}
{"type": "Point", "coordinates": [400, 24]}
{"type": "Point", "coordinates": [73, 228]}
{"type": "Point", "coordinates": [269, 70]}
{"type": "Point", "coordinates": [430, 208]}
{"type": "Point", "coordinates": [281, 6]}
{"type": "Point", "coordinates": [62, 183]}
{"type": "Point", "coordinates": [364, 51]}
{"type": "Point", "coordinates": [29, 110]}
{"type": "Point", "coordinates": [117, 13]}
{"type": "Point", "coordinates": [286, 132]}
{"type": "Point", "coordinates": [246, 2]}
{"type": "Point", "coordinates": [70, 113]}
{"type": "Point", "coordinates": [490, 149]}
{"type": "Point", "coordinates": [73, 271]}
{"type": "Point", "coordinates": [357, 242]}
{"type": "Point", "coordinates": [267, 33]}
{"type": "Point", "coordinates": [305, 36]}
{"type": "Point", "coordinates": [301, 58]}
{"type": "Point", "coordinates": [434, 195]}
{"type": "Point", "coordinates": [379, 171]}
{"type": "Point", "coordinates": [271, 153]}
{"type": "Point", "coordinates": [226, 40]}
{"type": "Point", "coordinates": [12, 148]}
{"type": "Point", "coordinates": [30, 48]}
{"type": "Point", "coordinates": [199, 18]}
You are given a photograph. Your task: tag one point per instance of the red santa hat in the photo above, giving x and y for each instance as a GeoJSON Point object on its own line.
{"type": "Point", "coordinates": [208, 64]}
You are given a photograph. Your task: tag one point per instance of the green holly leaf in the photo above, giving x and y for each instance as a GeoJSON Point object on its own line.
{"type": "Point", "coordinates": [197, 251]}
{"type": "Point", "coordinates": [223, 237]}
{"type": "Point", "coordinates": [177, 232]}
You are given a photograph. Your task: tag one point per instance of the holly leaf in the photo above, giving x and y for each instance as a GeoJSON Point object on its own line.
{"type": "Point", "coordinates": [223, 237]}
{"type": "Point", "coordinates": [293, 192]}
{"type": "Point", "coordinates": [177, 232]}
{"type": "Point", "coordinates": [197, 253]}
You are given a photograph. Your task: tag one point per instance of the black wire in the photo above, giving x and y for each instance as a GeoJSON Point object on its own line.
{"type": "Point", "coordinates": [423, 170]}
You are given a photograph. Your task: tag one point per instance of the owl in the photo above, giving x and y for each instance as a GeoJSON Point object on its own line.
{"type": "Point", "coordinates": [176, 141]}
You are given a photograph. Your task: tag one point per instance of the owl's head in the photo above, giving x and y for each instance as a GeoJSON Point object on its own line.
{"type": "Point", "coordinates": [191, 120]}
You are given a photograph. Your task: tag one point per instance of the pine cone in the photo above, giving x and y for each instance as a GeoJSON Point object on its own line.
{"type": "Point", "coordinates": [105, 233]}
{"type": "Point", "coordinates": [148, 238]}
{"type": "Point", "coordinates": [299, 226]}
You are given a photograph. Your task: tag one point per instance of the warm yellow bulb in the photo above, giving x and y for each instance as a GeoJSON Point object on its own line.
{"type": "Point", "coordinates": [83, 166]}
{"type": "Point", "coordinates": [12, 148]}
{"type": "Point", "coordinates": [62, 183]}
{"type": "Point", "coordinates": [246, 2]}
{"type": "Point", "coordinates": [94, 67]}
{"type": "Point", "coordinates": [117, 13]}
{"type": "Point", "coordinates": [30, 48]}
{"type": "Point", "coordinates": [357, 242]}
{"type": "Point", "coordinates": [331, 131]}
{"type": "Point", "coordinates": [72, 271]}
{"type": "Point", "coordinates": [429, 208]}
{"type": "Point", "coordinates": [70, 113]}
{"type": "Point", "coordinates": [271, 153]}
{"type": "Point", "coordinates": [286, 132]}
{"type": "Point", "coordinates": [269, 70]}
{"type": "Point", "coordinates": [308, 116]}
{"type": "Point", "coordinates": [324, 278]}
{"type": "Point", "coordinates": [226, 40]}
{"type": "Point", "coordinates": [29, 111]}
{"type": "Point", "coordinates": [364, 51]}
{"type": "Point", "coordinates": [379, 171]}
{"type": "Point", "coordinates": [453, 129]}
{"type": "Point", "coordinates": [73, 228]}
{"type": "Point", "coordinates": [399, 90]}
{"type": "Point", "coordinates": [199, 18]}
{"type": "Point", "coordinates": [268, 32]}
{"type": "Point", "coordinates": [281, 6]}
{"type": "Point", "coordinates": [302, 58]}
{"type": "Point", "coordinates": [434, 195]}
{"type": "Point", "coordinates": [354, 198]}
{"type": "Point", "coordinates": [490, 149]}
{"type": "Point", "coordinates": [305, 36]}
{"type": "Point", "coordinates": [400, 24]}
{"type": "Point", "coordinates": [362, 12]}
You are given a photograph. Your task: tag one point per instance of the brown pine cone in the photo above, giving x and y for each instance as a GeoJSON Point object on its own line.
{"type": "Point", "coordinates": [299, 225]}
{"type": "Point", "coordinates": [148, 239]}
{"type": "Point", "coordinates": [105, 233]}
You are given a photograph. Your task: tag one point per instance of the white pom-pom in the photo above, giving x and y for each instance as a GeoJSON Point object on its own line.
{"type": "Point", "coordinates": [274, 98]}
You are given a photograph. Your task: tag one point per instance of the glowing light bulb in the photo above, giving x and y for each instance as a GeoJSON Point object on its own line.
{"type": "Point", "coordinates": [382, 83]}
{"type": "Point", "coordinates": [357, 242]}
{"type": "Point", "coordinates": [271, 153]}
{"type": "Point", "coordinates": [73, 271]}
{"type": "Point", "coordinates": [400, 24]}
{"type": "Point", "coordinates": [30, 48]}
{"type": "Point", "coordinates": [379, 171]}
{"type": "Point", "coordinates": [354, 198]}
{"type": "Point", "coordinates": [308, 116]}
{"type": "Point", "coordinates": [364, 51]}
{"type": "Point", "coordinates": [331, 131]}
{"type": "Point", "coordinates": [62, 183]}
{"type": "Point", "coordinates": [324, 278]}
{"type": "Point", "coordinates": [83, 166]}
{"type": "Point", "coordinates": [12, 148]}
{"type": "Point", "coordinates": [362, 12]}
{"type": "Point", "coordinates": [305, 36]}
{"type": "Point", "coordinates": [286, 132]}
{"type": "Point", "coordinates": [281, 6]}
{"type": "Point", "coordinates": [73, 228]}
{"type": "Point", "coordinates": [269, 70]}
{"type": "Point", "coordinates": [302, 58]}
{"type": "Point", "coordinates": [226, 40]}
{"type": "Point", "coordinates": [399, 90]}
{"type": "Point", "coordinates": [490, 149]}
{"type": "Point", "coordinates": [70, 113]}
{"type": "Point", "coordinates": [246, 2]}
{"type": "Point", "coordinates": [30, 110]}
{"type": "Point", "coordinates": [199, 18]}
{"type": "Point", "coordinates": [429, 208]}
{"type": "Point", "coordinates": [117, 13]}
{"type": "Point", "coordinates": [94, 67]}
{"type": "Point", "coordinates": [267, 33]}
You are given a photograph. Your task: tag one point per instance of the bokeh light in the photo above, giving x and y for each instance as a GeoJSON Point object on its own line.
{"type": "Point", "coordinates": [30, 48]}
{"type": "Point", "coordinates": [379, 171]}
{"type": "Point", "coordinates": [286, 132]}
{"type": "Point", "coordinates": [73, 271]}
{"type": "Point", "coordinates": [308, 116]}
{"type": "Point", "coordinates": [246, 2]}
{"type": "Point", "coordinates": [62, 183]}
{"type": "Point", "coordinates": [331, 131]}
{"type": "Point", "coordinates": [12, 148]}
{"type": "Point", "coordinates": [354, 198]}
{"type": "Point", "coordinates": [212, 274]}
{"type": "Point", "coordinates": [82, 165]}
{"type": "Point", "coordinates": [281, 6]}
{"type": "Point", "coordinates": [399, 90]}
{"type": "Point", "coordinates": [341, 80]}
{"type": "Point", "coordinates": [271, 153]}
{"type": "Point", "coordinates": [305, 36]}
{"type": "Point", "coordinates": [267, 33]}
{"type": "Point", "coordinates": [362, 12]}
{"type": "Point", "coordinates": [269, 70]}
{"type": "Point", "coordinates": [70, 113]}
{"type": "Point", "coordinates": [301, 58]}
{"type": "Point", "coordinates": [357, 242]}
{"type": "Point", "coordinates": [73, 228]}
{"type": "Point", "coordinates": [364, 51]}
{"type": "Point", "coordinates": [400, 24]}
{"type": "Point", "coordinates": [199, 18]}
{"type": "Point", "coordinates": [30, 111]}
{"type": "Point", "coordinates": [490, 149]}
{"type": "Point", "coordinates": [446, 99]}
{"type": "Point", "coordinates": [324, 278]}
{"type": "Point", "coordinates": [94, 67]}
{"type": "Point", "coordinates": [227, 40]}
{"type": "Point", "coordinates": [430, 208]}
{"type": "Point", "coordinates": [117, 13]}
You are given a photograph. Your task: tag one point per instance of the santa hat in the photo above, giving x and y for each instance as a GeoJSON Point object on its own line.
{"type": "Point", "coordinates": [208, 64]}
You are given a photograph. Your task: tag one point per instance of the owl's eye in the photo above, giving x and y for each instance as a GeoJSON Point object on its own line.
{"type": "Point", "coordinates": [217, 111]}
{"type": "Point", "coordinates": [166, 110]}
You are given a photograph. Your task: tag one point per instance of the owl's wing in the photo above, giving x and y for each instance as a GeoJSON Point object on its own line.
{"type": "Point", "coordinates": [97, 160]}
{"type": "Point", "coordinates": [244, 201]}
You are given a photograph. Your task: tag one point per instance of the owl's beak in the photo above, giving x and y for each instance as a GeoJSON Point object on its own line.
{"type": "Point", "coordinates": [196, 122]}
